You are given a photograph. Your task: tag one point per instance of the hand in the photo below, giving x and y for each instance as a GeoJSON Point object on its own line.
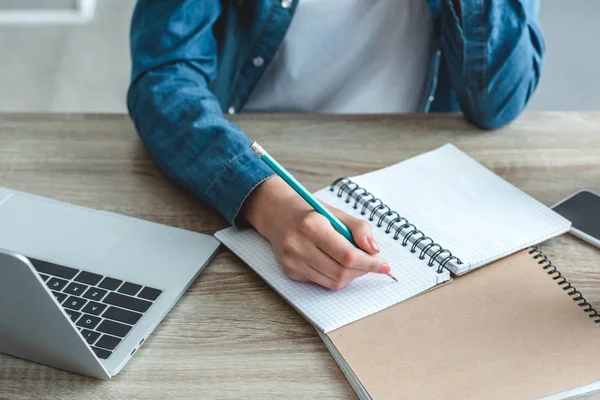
{"type": "Point", "coordinates": [304, 241]}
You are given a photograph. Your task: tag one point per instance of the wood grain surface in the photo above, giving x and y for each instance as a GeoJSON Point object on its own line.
{"type": "Point", "coordinates": [231, 336]}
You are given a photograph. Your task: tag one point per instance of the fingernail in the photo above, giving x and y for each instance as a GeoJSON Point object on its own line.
{"type": "Point", "coordinates": [373, 243]}
{"type": "Point", "coordinates": [385, 269]}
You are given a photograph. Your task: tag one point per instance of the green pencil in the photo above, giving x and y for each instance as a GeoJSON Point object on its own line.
{"type": "Point", "coordinates": [305, 194]}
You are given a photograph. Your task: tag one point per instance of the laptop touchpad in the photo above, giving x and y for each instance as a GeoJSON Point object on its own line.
{"type": "Point", "coordinates": [58, 232]}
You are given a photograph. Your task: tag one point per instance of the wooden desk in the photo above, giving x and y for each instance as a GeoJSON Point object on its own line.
{"type": "Point", "coordinates": [231, 336]}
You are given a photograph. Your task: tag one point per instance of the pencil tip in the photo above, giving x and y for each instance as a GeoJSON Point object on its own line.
{"type": "Point", "coordinates": [394, 278]}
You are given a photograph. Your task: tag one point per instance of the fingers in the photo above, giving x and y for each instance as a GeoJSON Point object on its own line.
{"type": "Point", "coordinates": [320, 275]}
{"type": "Point", "coordinates": [313, 275]}
{"type": "Point", "coordinates": [313, 251]}
{"type": "Point", "coordinates": [361, 230]}
{"type": "Point", "coordinates": [326, 238]}
{"type": "Point", "coordinates": [297, 269]}
{"type": "Point", "coordinates": [303, 261]}
{"type": "Point", "coordinates": [323, 263]}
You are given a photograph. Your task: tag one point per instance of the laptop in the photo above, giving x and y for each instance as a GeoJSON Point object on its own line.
{"type": "Point", "coordinates": [81, 289]}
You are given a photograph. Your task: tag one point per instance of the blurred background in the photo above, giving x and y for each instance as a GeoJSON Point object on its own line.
{"type": "Point", "coordinates": [73, 55]}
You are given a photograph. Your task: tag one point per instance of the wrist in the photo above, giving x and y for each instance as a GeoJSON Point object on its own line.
{"type": "Point", "coordinates": [267, 202]}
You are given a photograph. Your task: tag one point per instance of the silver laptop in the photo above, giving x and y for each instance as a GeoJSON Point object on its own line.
{"type": "Point", "coordinates": [82, 289]}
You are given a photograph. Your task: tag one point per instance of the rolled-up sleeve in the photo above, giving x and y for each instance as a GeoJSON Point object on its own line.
{"type": "Point", "coordinates": [494, 51]}
{"type": "Point", "coordinates": [180, 121]}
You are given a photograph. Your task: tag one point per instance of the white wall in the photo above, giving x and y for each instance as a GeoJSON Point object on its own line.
{"type": "Point", "coordinates": [571, 75]}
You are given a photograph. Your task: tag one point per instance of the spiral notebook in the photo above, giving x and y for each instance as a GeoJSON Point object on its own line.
{"type": "Point", "coordinates": [516, 329]}
{"type": "Point", "coordinates": [437, 215]}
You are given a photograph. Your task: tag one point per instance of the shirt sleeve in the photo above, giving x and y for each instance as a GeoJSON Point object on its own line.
{"type": "Point", "coordinates": [180, 121]}
{"type": "Point", "coordinates": [494, 52]}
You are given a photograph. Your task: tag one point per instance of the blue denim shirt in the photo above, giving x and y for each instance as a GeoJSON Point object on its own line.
{"type": "Point", "coordinates": [192, 60]}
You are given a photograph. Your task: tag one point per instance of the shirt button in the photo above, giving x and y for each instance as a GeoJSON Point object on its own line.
{"type": "Point", "coordinates": [258, 61]}
{"type": "Point", "coordinates": [286, 3]}
{"type": "Point", "coordinates": [439, 53]}
{"type": "Point", "coordinates": [431, 98]}
{"type": "Point", "coordinates": [231, 110]}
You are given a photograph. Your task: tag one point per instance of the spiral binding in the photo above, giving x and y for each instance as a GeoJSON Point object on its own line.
{"type": "Point", "coordinates": [565, 284]}
{"type": "Point", "coordinates": [401, 227]}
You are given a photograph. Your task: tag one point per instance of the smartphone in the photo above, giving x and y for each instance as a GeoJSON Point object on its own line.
{"type": "Point", "coordinates": [582, 208]}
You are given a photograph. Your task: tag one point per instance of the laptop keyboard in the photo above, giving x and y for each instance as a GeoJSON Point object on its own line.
{"type": "Point", "coordinates": [104, 309]}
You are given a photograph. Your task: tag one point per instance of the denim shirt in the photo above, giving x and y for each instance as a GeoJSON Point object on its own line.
{"type": "Point", "coordinates": [193, 60]}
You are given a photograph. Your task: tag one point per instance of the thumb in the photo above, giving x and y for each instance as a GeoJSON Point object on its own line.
{"type": "Point", "coordinates": [361, 230]}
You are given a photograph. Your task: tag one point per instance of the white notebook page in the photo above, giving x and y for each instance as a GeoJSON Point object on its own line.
{"type": "Point", "coordinates": [366, 295]}
{"type": "Point", "coordinates": [463, 206]}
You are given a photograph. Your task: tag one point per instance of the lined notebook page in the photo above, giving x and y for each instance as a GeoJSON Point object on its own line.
{"type": "Point", "coordinates": [463, 206]}
{"type": "Point", "coordinates": [327, 309]}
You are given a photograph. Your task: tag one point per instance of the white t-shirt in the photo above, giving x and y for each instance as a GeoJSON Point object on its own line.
{"type": "Point", "coordinates": [350, 56]}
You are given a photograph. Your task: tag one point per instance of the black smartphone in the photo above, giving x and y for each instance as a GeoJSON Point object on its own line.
{"type": "Point", "coordinates": [582, 208]}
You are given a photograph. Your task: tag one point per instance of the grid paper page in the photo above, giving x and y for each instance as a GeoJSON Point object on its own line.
{"type": "Point", "coordinates": [463, 206]}
{"type": "Point", "coordinates": [366, 295]}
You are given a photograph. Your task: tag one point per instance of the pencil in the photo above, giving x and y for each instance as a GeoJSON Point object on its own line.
{"type": "Point", "coordinates": [305, 194]}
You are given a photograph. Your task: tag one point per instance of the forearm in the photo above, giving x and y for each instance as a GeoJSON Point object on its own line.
{"type": "Point", "coordinates": [494, 51]}
{"type": "Point", "coordinates": [181, 124]}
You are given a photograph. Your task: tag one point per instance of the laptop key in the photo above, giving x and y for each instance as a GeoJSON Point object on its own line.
{"type": "Point", "coordinates": [44, 277]}
{"type": "Point", "coordinates": [110, 284]}
{"type": "Point", "coordinates": [95, 294]}
{"type": "Point", "coordinates": [149, 293]}
{"type": "Point", "coordinates": [74, 315]}
{"type": "Point", "coordinates": [74, 303]}
{"type": "Point", "coordinates": [130, 303]}
{"type": "Point", "coordinates": [88, 321]}
{"type": "Point", "coordinates": [114, 328]}
{"type": "Point", "coordinates": [88, 278]}
{"type": "Point", "coordinates": [59, 296]}
{"type": "Point", "coordinates": [118, 314]}
{"type": "Point", "coordinates": [101, 353]}
{"type": "Point", "coordinates": [108, 342]}
{"type": "Point", "coordinates": [53, 269]}
{"type": "Point", "coordinates": [90, 336]}
{"type": "Point", "coordinates": [56, 283]}
{"type": "Point", "coordinates": [94, 308]}
{"type": "Point", "coordinates": [130, 288]}
{"type": "Point", "coordinates": [76, 288]}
